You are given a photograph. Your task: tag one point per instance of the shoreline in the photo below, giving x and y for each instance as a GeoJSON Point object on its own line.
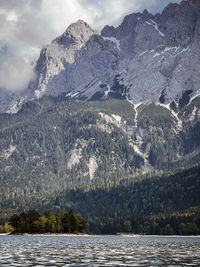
{"type": "Point", "coordinates": [94, 235]}
{"type": "Point", "coordinates": [49, 234]}
{"type": "Point", "coordinates": [53, 234]}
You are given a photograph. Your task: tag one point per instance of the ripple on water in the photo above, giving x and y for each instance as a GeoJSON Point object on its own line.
{"type": "Point", "coordinates": [99, 251]}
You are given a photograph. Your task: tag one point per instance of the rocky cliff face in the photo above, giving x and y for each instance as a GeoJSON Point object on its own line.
{"type": "Point", "coordinates": [57, 60]}
{"type": "Point", "coordinates": [148, 57]}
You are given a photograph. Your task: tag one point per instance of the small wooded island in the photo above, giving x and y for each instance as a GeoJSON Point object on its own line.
{"type": "Point", "coordinates": [32, 222]}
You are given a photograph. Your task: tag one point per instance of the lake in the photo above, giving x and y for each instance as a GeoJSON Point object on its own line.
{"type": "Point", "coordinates": [99, 251]}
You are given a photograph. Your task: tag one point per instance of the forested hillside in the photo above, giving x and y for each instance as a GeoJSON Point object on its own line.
{"type": "Point", "coordinates": [83, 149]}
{"type": "Point", "coordinates": [66, 146]}
{"type": "Point", "coordinates": [146, 205]}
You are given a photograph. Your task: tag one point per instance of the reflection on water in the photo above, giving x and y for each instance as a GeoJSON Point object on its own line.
{"type": "Point", "coordinates": [99, 251]}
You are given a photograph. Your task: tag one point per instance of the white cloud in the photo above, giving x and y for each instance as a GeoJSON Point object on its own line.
{"type": "Point", "coordinates": [15, 73]}
{"type": "Point", "coordinates": [28, 25]}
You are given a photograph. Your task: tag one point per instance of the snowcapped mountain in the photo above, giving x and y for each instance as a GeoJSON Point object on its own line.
{"type": "Point", "coordinates": [147, 57]}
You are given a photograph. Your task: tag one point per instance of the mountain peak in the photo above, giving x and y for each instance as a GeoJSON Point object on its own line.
{"type": "Point", "coordinates": [145, 12]}
{"type": "Point", "coordinates": [79, 31]}
{"type": "Point", "coordinates": [79, 25]}
{"type": "Point", "coordinates": [90, 66]}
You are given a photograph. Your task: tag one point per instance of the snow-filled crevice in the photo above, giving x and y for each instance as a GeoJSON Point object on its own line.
{"type": "Point", "coordinates": [113, 40]}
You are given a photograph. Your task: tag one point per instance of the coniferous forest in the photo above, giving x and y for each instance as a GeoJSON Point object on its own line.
{"type": "Point", "coordinates": [33, 222]}
{"type": "Point", "coordinates": [61, 155]}
{"type": "Point", "coordinates": [155, 204]}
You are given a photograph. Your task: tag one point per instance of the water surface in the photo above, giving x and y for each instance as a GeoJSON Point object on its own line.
{"type": "Point", "coordinates": [99, 251]}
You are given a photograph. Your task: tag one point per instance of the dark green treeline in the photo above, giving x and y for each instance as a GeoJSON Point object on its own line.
{"type": "Point", "coordinates": [33, 222]}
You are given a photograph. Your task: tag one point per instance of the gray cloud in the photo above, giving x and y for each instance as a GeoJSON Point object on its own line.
{"type": "Point", "coordinates": [14, 73]}
{"type": "Point", "coordinates": [27, 25]}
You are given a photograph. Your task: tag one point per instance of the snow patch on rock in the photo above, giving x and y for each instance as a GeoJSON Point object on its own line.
{"type": "Point", "coordinates": [144, 52]}
{"type": "Point", "coordinates": [177, 51]}
{"type": "Point", "coordinates": [72, 94]}
{"type": "Point", "coordinates": [196, 95]}
{"type": "Point", "coordinates": [122, 71]}
{"type": "Point", "coordinates": [113, 40]}
{"type": "Point", "coordinates": [157, 55]}
{"type": "Point", "coordinates": [184, 50]}
{"type": "Point", "coordinates": [155, 25]}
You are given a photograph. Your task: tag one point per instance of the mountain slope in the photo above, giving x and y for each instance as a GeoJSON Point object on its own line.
{"type": "Point", "coordinates": [66, 145]}
{"type": "Point", "coordinates": [51, 145]}
{"type": "Point", "coordinates": [155, 199]}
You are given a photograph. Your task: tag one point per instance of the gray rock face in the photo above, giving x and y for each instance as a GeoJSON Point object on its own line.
{"type": "Point", "coordinates": [146, 58]}
{"type": "Point", "coordinates": [58, 59]}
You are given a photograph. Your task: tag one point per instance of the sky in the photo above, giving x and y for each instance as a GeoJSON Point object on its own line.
{"type": "Point", "coordinates": [28, 25]}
